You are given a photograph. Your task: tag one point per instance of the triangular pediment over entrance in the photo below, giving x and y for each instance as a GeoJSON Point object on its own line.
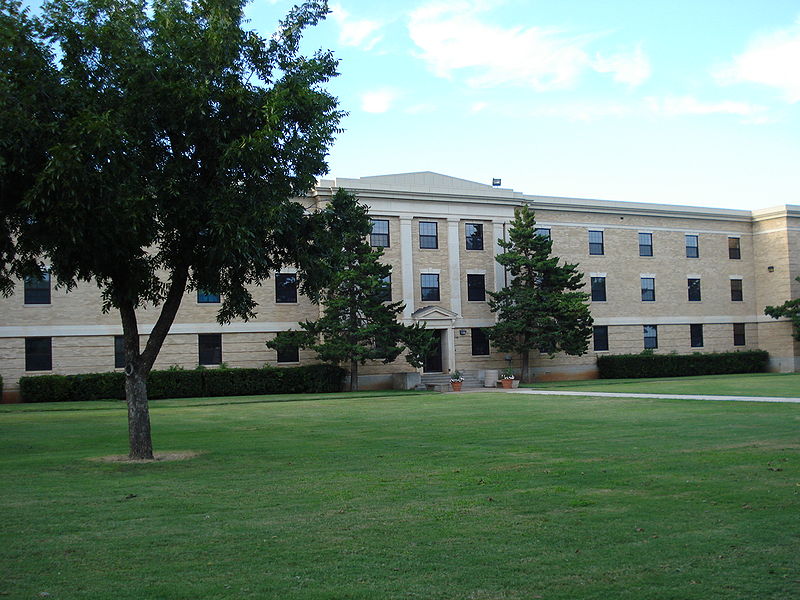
{"type": "Point", "coordinates": [433, 314]}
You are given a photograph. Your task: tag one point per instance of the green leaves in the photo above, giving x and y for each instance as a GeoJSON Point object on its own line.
{"type": "Point", "coordinates": [789, 309]}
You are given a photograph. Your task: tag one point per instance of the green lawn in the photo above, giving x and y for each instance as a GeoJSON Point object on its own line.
{"type": "Point", "coordinates": [752, 384]}
{"type": "Point", "coordinates": [481, 495]}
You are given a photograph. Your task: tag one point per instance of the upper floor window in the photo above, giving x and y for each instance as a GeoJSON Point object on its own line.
{"type": "Point", "coordinates": [650, 337]}
{"type": "Point", "coordinates": [119, 352]}
{"type": "Point", "coordinates": [600, 335]}
{"type": "Point", "coordinates": [694, 289]}
{"type": "Point", "coordinates": [386, 289]}
{"type": "Point", "coordinates": [285, 287]}
{"type": "Point", "coordinates": [476, 288]}
{"type": "Point", "coordinates": [430, 287]}
{"type": "Point", "coordinates": [648, 289]}
{"type": "Point", "coordinates": [37, 289]}
{"type": "Point", "coordinates": [696, 335]}
{"type": "Point", "coordinates": [598, 289]}
{"type": "Point", "coordinates": [596, 243]}
{"type": "Point", "coordinates": [737, 295]}
{"type": "Point", "coordinates": [474, 235]}
{"type": "Point", "coordinates": [209, 348]}
{"type": "Point", "coordinates": [645, 244]}
{"type": "Point", "coordinates": [738, 334]}
{"type": "Point", "coordinates": [543, 232]}
{"type": "Point", "coordinates": [734, 247]}
{"type": "Point", "coordinates": [379, 238]}
{"type": "Point", "coordinates": [207, 298]}
{"type": "Point", "coordinates": [38, 354]}
{"type": "Point", "coordinates": [480, 342]}
{"type": "Point", "coordinates": [692, 246]}
{"type": "Point", "coordinates": [428, 235]}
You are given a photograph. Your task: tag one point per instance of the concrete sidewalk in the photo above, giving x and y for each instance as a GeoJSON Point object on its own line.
{"type": "Point", "coordinates": [667, 396]}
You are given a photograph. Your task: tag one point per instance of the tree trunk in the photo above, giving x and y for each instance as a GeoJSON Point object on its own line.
{"type": "Point", "coordinates": [353, 375]}
{"type": "Point", "coordinates": [141, 444]}
{"type": "Point", "coordinates": [526, 366]}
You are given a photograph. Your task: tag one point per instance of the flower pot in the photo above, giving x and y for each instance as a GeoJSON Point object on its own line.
{"type": "Point", "coordinates": [506, 383]}
{"type": "Point", "coordinates": [456, 385]}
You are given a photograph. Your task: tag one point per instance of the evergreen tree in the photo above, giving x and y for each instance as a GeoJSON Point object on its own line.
{"type": "Point", "coordinates": [541, 308]}
{"type": "Point", "coordinates": [789, 309]}
{"type": "Point", "coordinates": [358, 322]}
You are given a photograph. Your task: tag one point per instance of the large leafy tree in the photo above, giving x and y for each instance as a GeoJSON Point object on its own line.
{"type": "Point", "coordinates": [358, 323]}
{"type": "Point", "coordinates": [541, 308]}
{"type": "Point", "coordinates": [789, 309]}
{"type": "Point", "coordinates": [153, 147]}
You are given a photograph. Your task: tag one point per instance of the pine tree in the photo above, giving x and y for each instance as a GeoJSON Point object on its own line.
{"type": "Point", "coordinates": [789, 309]}
{"type": "Point", "coordinates": [541, 308]}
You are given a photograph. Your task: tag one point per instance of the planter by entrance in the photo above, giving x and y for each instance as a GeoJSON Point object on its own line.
{"type": "Point", "coordinates": [456, 385]}
{"type": "Point", "coordinates": [506, 383]}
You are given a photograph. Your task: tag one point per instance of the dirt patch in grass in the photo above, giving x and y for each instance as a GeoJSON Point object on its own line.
{"type": "Point", "coordinates": [158, 457]}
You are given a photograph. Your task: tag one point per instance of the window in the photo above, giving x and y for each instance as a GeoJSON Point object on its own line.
{"type": "Point", "coordinates": [692, 246]}
{"type": "Point", "coordinates": [737, 294]}
{"type": "Point", "coordinates": [119, 352]}
{"type": "Point", "coordinates": [598, 289]}
{"type": "Point", "coordinates": [738, 334]}
{"type": "Point", "coordinates": [379, 238]}
{"type": "Point", "coordinates": [207, 298]}
{"type": "Point", "coordinates": [694, 289]}
{"type": "Point", "coordinates": [39, 354]}
{"type": "Point", "coordinates": [37, 289]}
{"type": "Point", "coordinates": [386, 289]}
{"type": "Point", "coordinates": [428, 235]}
{"type": "Point", "coordinates": [543, 232]}
{"type": "Point", "coordinates": [289, 354]}
{"type": "Point", "coordinates": [476, 288]}
{"type": "Point", "coordinates": [696, 335]}
{"type": "Point", "coordinates": [480, 342]}
{"type": "Point", "coordinates": [600, 333]}
{"type": "Point", "coordinates": [650, 337]}
{"type": "Point", "coordinates": [648, 289]}
{"type": "Point", "coordinates": [734, 248]}
{"type": "Point", "coordinates": [645, 244]}
{"type": "Point", "coordinates": [430, 287]}
{"type": "Point", "coordinates": [474, 234]}
{"type": "Point", "coordinates": [209, 347]}
{"type": "Point", "coordinates": [285, 287]}
{"type": "Point", "coordinates": [596, 243]}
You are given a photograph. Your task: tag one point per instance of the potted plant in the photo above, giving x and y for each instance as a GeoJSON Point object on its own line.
{"type": "Point", "coordinates": [507, 378]}
{"type": "Point", "coordinates": [456, 380]}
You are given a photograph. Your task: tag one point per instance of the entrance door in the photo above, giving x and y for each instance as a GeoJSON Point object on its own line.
{"type": "Point", "coordinates": [433, 361]}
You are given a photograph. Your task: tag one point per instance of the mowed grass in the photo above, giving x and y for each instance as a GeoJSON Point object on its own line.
{"type": "Point", "coordinates": [481, 495]}
{"type": "Point", "coordinates": [786, 385]}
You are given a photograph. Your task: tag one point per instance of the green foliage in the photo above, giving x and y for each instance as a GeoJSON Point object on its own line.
{"type": "Point", "coordinates": [789, 309]}
{"type": "Point", "coordinates": [622, 366]}
{"type": "Point", "coordinates": [182, 383]}
{"type": "Point", "coordinates": [540, 309]}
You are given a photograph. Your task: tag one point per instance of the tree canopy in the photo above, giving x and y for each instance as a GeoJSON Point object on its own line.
{"type": "Point", "coordinates": [541, 307]}
{"type": "Point", "coordinates": [789, 309]}
{"type": "Point", "coordinates": [153, 147]}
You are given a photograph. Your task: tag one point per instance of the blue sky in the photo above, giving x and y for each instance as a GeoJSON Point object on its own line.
{"type": "Point", "coordinates": [683, 102]}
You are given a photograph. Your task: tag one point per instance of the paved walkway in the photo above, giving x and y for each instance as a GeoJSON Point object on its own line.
{"type": "Point", "coordinates": [668, 396]}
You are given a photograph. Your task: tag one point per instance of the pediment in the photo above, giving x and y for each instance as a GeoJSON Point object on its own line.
{"type": "Point", "coordinates": [433, 313]}
{"type": "Point", "coordinates": [426, 180]}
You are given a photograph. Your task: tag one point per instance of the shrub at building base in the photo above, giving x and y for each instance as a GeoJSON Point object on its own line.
{"type": "Point", "coordinates": [179, 383]}
{"type": "Point", "coordinates": [623, 366]}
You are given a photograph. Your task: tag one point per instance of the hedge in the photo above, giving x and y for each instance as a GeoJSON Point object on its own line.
{"type": "Point", "coordinates": [623, 366]}
{"type": "Point", "coordinates": [185, 384]}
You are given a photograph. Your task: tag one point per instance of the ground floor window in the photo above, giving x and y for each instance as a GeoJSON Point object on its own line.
{"type": "Point", "coordinates": [119, 352]}
{"type": "Point", "coordinates": [696, 335]}
{"type": "Point", "coordinates": [600, 334]}
{"type": "Point", "coordinates": [650, 337]}
{"type": "Point", "coordinates": [480, 342]}
{"type": "Point", "coordinates": [738, 334]}
{"type": "Point", "coordinates": [209, 348]}
{"type": "Point", "coordinates": [39, 354]}
{"type": "Point", "coordinates": [289, 354]}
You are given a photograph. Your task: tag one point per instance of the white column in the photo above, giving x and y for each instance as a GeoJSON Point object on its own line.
{"type": "Point", "coordinates": [407, 266]}
{"type": "Point", "coordinates": [454, 263]}
{"type": "Point", "coordinates": [450, 349]}
{"type": "Point", "coordinates": [499, 271]}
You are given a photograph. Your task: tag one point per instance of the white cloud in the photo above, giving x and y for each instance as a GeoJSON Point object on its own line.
{"type": "Point", "coordinates": [378, 101]}
{"type": "Point", "coordinates": [420, 109]}
{"type": "Point", "coordinates": [583, 111]}
{"type": "Point", "coordinates": [355, 32]}
{"type": "Point", "coordinates": [456, 36]}
{"type": "Point", "coordinates": [688, 105]}
{"type": "Point", "coordinates": [772, 60]}
{"type": "Point", "coordinates": [477, 107]}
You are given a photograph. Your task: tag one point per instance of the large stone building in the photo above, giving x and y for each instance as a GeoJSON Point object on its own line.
{"type": "Point", "coordinates": [670, 278]}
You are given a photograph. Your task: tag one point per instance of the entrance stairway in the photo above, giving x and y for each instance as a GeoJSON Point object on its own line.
{"type": "Point", "coordinates": [440, 382]}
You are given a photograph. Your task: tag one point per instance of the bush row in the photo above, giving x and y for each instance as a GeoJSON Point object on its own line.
{"type": "Point", "coordinates": [185, 384]}
{"type": "Point", "coordinates": [621, 366]}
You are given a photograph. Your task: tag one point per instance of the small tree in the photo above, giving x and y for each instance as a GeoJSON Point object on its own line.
{"type": "Point", "coordinates": [540, 309]}
{"type": "Point", "coordinates": [158, 153]}
{"type": "Point", "coordinates": [358, 322]}
{"type": "Point", "coordinates": [789, 309]}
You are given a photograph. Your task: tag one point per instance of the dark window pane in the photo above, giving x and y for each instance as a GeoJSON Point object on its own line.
{"type": "Point", "coordinates": [648, 289]}
{"type": "Point", "coordinates": [285, 287]}
{"type": "Point", "coordinates": [734, 249]}
{"type": "Point", "coordinates": [207, 298]}
{"type": "Point", "coordinates": [386, 289]}
{"type": "Point", "coordinates": [598, 289]}
{"type": "Point", "coordinates": [645, 244]}
{"type": "Point", "coordinates": [737, 294]}
{"type": "Point", "coordinates": [694, 290]}
{"type": "Point", "coordinates": [543, 232]}
{"type": "Point", "coordinates": [289, 354]}
{"type": "Point", "coordinates": [209, 348]}
{"type": "Point", "coordinates": [430, 287]}
{"type": "Point", "coordinates": [476, 288]}
{"type": "Point", "coordinates": [600, 333]}
{"type": "Point", "coordinates": [428, 235]}
{"type": "Point", "coordinates": [37, 289]}
{"type": "Point", "coordinates": [474, 235]}
{"type": "Point", "coordinates": [379, 238]}
{"type": "Point", "coordinates": [692, 247]}
{"type": "Point", "coordinates": [39, 354]}
{"type": "Point", "coordinates": [738, 334]}
{"type": "Point", "coordinates": [119, 352]}
{"type": "Point", "coordinates": [650, 337]}
{"type": "Point", "coordinates": [696, 335]}
{"type": "Point", "coordinates": [596, 243]}
{"type": "Point", "coordinates": [480, 342]}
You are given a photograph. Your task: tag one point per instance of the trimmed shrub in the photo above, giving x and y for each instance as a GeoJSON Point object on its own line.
{"type": "Point", "coordinates": [623, 366]}
{"type": "Point", "coordinates": [179, 383]}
